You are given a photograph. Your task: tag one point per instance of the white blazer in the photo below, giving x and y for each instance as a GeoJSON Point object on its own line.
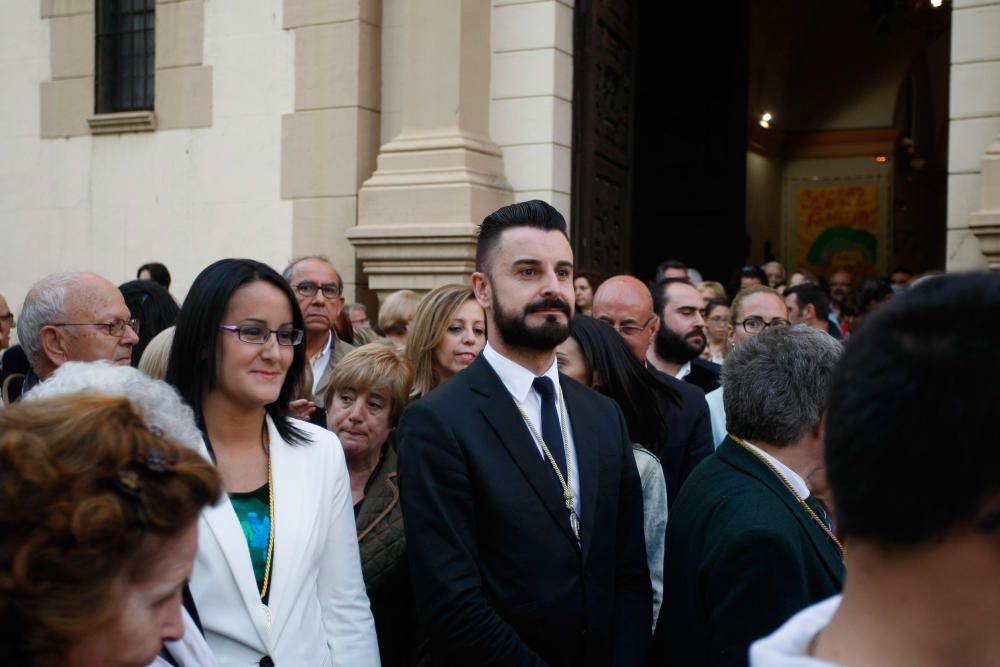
{"type": "Point", "coordinates": [318, 612]}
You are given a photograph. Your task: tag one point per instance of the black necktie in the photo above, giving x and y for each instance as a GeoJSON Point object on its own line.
{"type": "Point", "coordinates": [817, 507]}
{"type": "Point", "coordinates": [551, 432]}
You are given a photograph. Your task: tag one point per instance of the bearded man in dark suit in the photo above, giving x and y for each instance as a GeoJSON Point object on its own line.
{"type": "Point", "coordinates": [748, 544]}
{"type": "Point", "coordinates": [522, 502]}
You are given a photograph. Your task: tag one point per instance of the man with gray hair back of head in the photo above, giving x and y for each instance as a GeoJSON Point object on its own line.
{"type": "Point", "coordinates": [748, 543]}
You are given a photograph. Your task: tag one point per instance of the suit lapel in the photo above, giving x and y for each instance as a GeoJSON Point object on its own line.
{"type": "Point", "coordinates": [224, 526]}
{"type": "Point", "coordinates": [585, 427]}
{"type": "Point", "coordinates": [500, 411]}
{"type": "Point", "coordinates": [829, 554]}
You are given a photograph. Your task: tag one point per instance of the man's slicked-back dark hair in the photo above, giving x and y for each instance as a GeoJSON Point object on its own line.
{"type": "Point", "coordinates": [911, 430]}
{"type": "Point", "coordinates": [809, 293]}
{"type": "Point", "coordinates": [191, 369]}
{"type": "Point", "coordinates": [534, 213]}
{"type": "Point", "coordinates": [659, 292]}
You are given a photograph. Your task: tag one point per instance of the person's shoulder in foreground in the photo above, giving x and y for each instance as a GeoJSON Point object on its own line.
{"type": "Point", "coordinates": [913, 467]}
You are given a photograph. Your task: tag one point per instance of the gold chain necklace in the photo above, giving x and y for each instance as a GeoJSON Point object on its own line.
{"type": "Point", "coordinates": [819, 521]}
{"type": "Point", "coordinates": [270, 504]}
{"type": "Point", "coordinates": [568, 498]}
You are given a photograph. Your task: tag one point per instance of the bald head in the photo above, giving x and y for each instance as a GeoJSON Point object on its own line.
{"type": "Point", "coordinates": [625, 303]}
{"type": "Point", "coordinates": [63, 320]}
{"type": "Point", "coordinates": [6, 322]}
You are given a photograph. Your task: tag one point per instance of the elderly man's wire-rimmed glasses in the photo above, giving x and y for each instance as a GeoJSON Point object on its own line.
{"type": "Point", "coordinates": [116, 328]}
{"type": "Point", "coordinates": [628, 329]}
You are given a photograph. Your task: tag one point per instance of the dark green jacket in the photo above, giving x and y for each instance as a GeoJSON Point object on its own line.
{"type": "Point", "coordinates": [742, 556]}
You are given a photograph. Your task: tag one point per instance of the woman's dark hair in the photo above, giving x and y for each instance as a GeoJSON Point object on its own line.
{"type": "Point", "coordinates": [155, 309]}
{"type": "Point", "coordinates": [192, 357]}
{"type": "Point", "coordinates": [749, 271]}
{"type": "Point", "coordinates": [640, 394]}
{"type": "Point", "coordinates": [712, 304]}
{"type": "Point", "coordinates": [157, 273]}
{"type": "Point", "coordinates": [593, 278]}
{"type": "Point", "coordinates": [872, 292]}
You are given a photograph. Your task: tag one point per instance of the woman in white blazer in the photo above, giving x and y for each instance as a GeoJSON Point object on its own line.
{"type": "Point", "coordinates": [277, 579]}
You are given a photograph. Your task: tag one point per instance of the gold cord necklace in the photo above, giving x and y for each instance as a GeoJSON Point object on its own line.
{"type": "Point", "coordinates": [568, 498]}
{"type": "Point", "coordinates": [815, 517]}
{"type": "Point", "coordinates": [270, 503]}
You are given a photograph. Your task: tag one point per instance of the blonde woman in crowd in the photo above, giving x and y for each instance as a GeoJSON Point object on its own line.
{"type": "Point", "coordinates": [395, 316]}
{"type": "Point", "coordinates": [156, 356]}
{"type": "Point", "coordinates": [449, 332]}
{"type": "Point", "coordinates": [712, 290]}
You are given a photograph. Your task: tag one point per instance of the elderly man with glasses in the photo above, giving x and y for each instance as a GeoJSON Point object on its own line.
{"type": "Point", "coordinates": [74, 317]}
{"type": "Point", "coordinates": [320, 293]}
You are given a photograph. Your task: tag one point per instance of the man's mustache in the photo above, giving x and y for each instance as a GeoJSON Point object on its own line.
{"type": "Point", "coordinates": [548, 304]}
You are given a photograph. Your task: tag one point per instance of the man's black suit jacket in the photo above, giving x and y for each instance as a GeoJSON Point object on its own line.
{"type": "Point", "coordinates": [689, 433]}
{"type": "Point", "coordinates": [742, 556]}
{"type": "Point", "coordinates": [498, 576]}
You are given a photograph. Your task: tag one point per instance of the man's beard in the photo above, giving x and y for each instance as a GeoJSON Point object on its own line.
{"type": "Point", "coordinates": [545, 336]}
{"type": "Point", "coordinates": [673, 347]}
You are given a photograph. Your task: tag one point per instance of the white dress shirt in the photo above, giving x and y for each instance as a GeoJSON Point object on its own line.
{"type": "Point", "coordinates": [683, 371]}
{"type": "Point", "coordinates": [798, 484]}
{"type": "Point", "coordinates": [319, 363]}
{"type": "Point", "coordinates": [517, 379]}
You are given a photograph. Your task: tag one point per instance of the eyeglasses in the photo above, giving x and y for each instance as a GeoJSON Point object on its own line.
{"type": "Point", "coordinates": [260, 335]}
{"type": "Point", "coordinates": [309, 288]}
{"type": "Point", "coordinates": [628, 329]}
{"type": "Point", "coordinates": [754, 325]}
{"type": "Point", "coordinates": [116, 328]}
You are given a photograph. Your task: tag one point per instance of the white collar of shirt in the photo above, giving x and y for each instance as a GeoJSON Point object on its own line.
{"type": "Point", "coordinates": [684, 371]}
{"type": "Point", "coordinates": [518, 381]}
{"type": "Point", "coordinates": [321, 360]}
{"type": "Point", "coordinates": [788, 646]}
{"type": "Point", "coordinates": [516, 377]}
{"type": "Point", "coordinates": [798, 484]}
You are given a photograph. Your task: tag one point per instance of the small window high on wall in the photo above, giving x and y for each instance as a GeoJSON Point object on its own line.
{"type": "Point", "coordinates": [125, 55]}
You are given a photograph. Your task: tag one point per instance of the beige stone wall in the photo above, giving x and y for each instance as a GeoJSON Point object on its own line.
{"type": "Point", "coordinates": [183, 196]}
{"type": "Point", "coordinates": [975, 121]}
{"type": "Point", "coordinates": [330, 142]}
{"type": "Point", "coordinates": [531, 93]}
{"type": "Point", "coordinates": [183, 86]}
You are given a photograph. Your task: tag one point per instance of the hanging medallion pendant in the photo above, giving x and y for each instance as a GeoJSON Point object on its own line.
{"type": "Point", "coordinates": [574, 523]}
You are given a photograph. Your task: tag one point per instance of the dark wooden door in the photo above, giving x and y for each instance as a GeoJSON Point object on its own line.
{"type": "Point", "coordinates": [603, 112]}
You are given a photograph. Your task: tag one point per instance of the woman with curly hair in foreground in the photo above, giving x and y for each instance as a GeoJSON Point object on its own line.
{"type": "Point", "coordinates": [98, 532]}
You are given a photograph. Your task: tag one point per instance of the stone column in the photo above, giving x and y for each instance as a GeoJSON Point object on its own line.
{"type": "Point", "coordinates": [974, 235]}
{"type": "Point", "coordinates": [330, 142]}
{"type": "Point", "coordinates": [440, 174]}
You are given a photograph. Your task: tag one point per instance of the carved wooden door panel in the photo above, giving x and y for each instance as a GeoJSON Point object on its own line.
{"type": "Point", "coordinates": [603, 121]}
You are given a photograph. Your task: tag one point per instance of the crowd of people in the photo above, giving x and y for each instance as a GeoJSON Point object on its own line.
{"type": "Point", "coordinates": [545, 466]}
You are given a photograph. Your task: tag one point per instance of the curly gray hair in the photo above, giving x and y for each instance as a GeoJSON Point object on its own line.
{"type": "Point", "coordinates": [159, 404]}
{"type": "Point", "coordinates": [776, 383]}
